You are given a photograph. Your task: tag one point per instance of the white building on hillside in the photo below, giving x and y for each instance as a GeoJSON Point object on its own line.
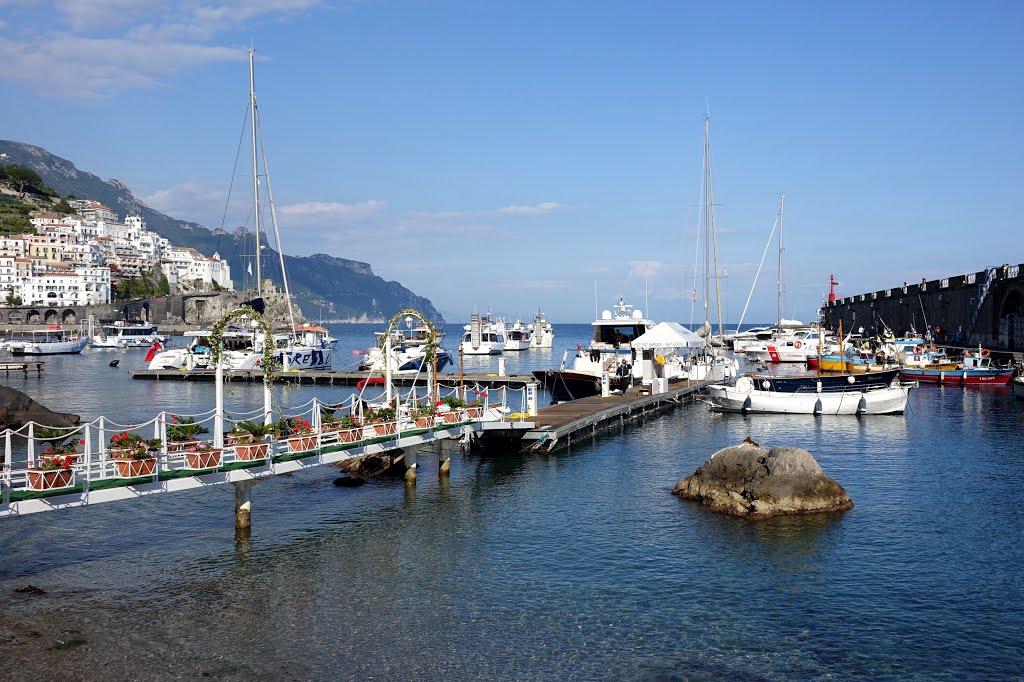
{"type": "Point", "coordinates": [185, 266]}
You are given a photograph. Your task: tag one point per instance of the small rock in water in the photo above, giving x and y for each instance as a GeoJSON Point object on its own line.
{"type": "Point", "coordinates": [348, 482]}
{"type": "Point", "coordinates": [756, 482]}
{"type": "Point", "coordinates": [31, 589]}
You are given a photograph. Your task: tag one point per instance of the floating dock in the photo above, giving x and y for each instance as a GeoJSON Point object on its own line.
{"type": "Point", "coordinates": [332, 378]}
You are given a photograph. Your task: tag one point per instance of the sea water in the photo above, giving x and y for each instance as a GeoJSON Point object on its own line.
{"type": "Point", "coordinates": [573, 565]}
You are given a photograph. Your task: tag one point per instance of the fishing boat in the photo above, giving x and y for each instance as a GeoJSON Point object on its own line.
{"type": "Point", "coordinates": [126, 334]}
{"type": "Point", "coordinates": [518, 337]}
{"type": "Point", "coordinates": [976, 369]}
{"type": "Point", "coordinates": [483, 336]}
{"type": "Point", "coordinates": [542, 333]}
{"type": "Point", "coordinates": [610, 344]}
{"type": "Point", "coordinates": [814, 382]}
{"type": "Point", "coordinates": [872, 399]}
{"type": "Point", "coordinates": [53, 341]}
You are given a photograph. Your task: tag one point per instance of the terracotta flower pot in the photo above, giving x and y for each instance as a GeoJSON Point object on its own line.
{"type": "Point", "coordinates": [251, 451]}
{"type": "Point", "coordinates": [474, 412]}
{"type": "Point", "coordinates": [385, 428]}
{"type": "Point", "coordinates": [424, 422]}
{"type": "Point", "coordinates": [302, 443]}
{"type": "Point", "coordinates": [350, 435]}
{"type": "Point", "coordinates": [451, 417]}
{"type": "Point", "coordinates": [203, 460]}
{"type": "Point", "coordinates": [130, 468]}
{"type": "Point", "coordinates": [49, 479]}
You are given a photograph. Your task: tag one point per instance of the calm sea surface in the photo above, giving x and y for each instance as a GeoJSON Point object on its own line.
{"type": "Point", "coordinates": [577, 565]}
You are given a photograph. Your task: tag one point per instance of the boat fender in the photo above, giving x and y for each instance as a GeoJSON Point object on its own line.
{"type": "Point", "coordinates": [798, 345]}
{"type": "Point", "coordinates": [747, 404]}
{"type": "Point", "coordinates": [850, 380]}
{"type": "Point", "coordinates": [817, 404]}
{"type": "Point", "coordinates": [985, 352]}
{"type": "Point", "coordinates": [862, 406]}
{"type": "Point", "coordinates": [660, 359]}
{"type": "Point", "coordinates": [817, 387]}
{"type": "Point", "coordinates": [942, 377]}
{"type": "Point", "coordinates": [766, 384]}
{"type": "Point", "coordinates": [963, 377]}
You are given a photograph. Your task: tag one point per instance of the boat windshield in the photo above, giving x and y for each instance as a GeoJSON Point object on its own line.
{"type": "Point", "coordinates": [617, 334]}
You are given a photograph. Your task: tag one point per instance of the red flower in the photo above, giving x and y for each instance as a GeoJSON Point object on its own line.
{"type": "Point", "coordinates": [81, 442]}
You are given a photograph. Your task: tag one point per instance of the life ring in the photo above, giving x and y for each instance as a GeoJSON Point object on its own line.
{"type": "Point", "coordinates": [660, 359]}
{"type": "Point", "coordinates": [798, 345]}
{"type": "Point", "coordinates": [985, 352]}
{"type": "Point", "coordinates": [918, 350]}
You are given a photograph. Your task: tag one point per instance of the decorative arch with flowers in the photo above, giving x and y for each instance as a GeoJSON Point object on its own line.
{"type": "Point", "coordinates": [217, 340]}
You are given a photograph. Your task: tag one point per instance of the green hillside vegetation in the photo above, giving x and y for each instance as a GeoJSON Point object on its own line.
{"type": "Point", "coordinates": [21, 192]}
{"type": "Point", "coordinates": [149, 284]}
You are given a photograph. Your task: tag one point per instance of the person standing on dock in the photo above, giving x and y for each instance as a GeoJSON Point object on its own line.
{"type": "Point", "coordinates": [625, 373]}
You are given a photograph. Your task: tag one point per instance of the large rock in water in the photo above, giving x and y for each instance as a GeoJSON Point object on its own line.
{"type": "Point", "coordinates": [17, 409]}
{"type": "Point", "coordinates": [756, 482]}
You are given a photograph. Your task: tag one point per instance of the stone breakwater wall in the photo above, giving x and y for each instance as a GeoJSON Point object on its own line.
{"type": "Point", "coordinates": [969, 309]}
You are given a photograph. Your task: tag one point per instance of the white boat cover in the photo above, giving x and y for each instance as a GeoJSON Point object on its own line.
{"type": "Point", "coordinates": [666, 335]}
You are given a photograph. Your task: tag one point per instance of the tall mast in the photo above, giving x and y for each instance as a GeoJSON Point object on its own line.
{"type": "Point", "coordinates": [255, 173]}
{"type": "Point", "coordinates": [707, 220]}
{"type": "Point", "coordinates": [782, 205]}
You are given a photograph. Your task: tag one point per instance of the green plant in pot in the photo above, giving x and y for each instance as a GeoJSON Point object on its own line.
{"type": "Point", "coordinates": [249, 440]}
{"type": "Point", "coordinates": [185, 429]}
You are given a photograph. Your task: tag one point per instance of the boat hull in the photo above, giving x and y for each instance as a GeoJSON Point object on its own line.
{"type": "Point", "coordinates": [790, 384]}
{"type": "Point", "coordinates": [884, 400]}
{"type": "Point", "coordinates": [568, 385]}
{"type": "Point", "coordinates": [959, 377]}
{"type": "Point", "coordinates": [1018, 387]}
{"type": "Point", "coordinates": [49, 348]}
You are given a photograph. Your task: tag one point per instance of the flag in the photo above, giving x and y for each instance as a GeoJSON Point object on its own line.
{"type": "Point", "coordinates": [154, 349]}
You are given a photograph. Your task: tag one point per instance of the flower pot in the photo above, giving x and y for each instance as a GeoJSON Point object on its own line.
{"type": "Point", "coordinates": [49, 479]}
{"type": "Point", "coordinates": [450, 417]}
{"type": "Point", "coordinates": [130, 468]}
{"type": "Point", "coordinates": [302, 443]}
{"type": "Point", "coordinates": [424, 422]}
{"type": "Point", "coordinates": [350, 435]}
{"type": "Point", "coordinates": [179, 445]}
{"type": "Point", "coordinates": [203, 460]}
{"type": "Point", "coordinates": [250, 451]}
{"type": "Point", "coordinates": [474, 412]}
{"type": "Point", "coordinates": [385, 428]}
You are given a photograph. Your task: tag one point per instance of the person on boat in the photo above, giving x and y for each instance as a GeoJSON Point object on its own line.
{"type": "Point", "coordinates": [625, 373]}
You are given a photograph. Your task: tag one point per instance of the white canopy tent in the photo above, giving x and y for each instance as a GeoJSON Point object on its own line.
{"type": "Point", "coordinates": [667, 336]}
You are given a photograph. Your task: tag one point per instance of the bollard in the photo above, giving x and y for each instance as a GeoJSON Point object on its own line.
{"type": "Point", "coordinates": [501, 366]}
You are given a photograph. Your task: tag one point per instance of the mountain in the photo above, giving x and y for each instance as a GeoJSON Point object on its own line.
{"type": "Point", "coordinates": [325, 287]}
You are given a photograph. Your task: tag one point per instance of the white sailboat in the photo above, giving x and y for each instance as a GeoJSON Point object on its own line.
{"type": "Point", "coordinates": [710, 363]}
{"type": "Point", "coordinates": [301, 347]}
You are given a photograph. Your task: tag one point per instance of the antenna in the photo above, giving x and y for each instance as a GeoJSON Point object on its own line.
{"type": "Point", "coordinates": [596, 313]}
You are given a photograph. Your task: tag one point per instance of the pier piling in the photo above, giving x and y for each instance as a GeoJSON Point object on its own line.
{"type": "Point", "coordinates": [243, 509]}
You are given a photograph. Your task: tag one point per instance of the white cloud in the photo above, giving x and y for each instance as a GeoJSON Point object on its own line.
{"type": "Point", "coordinates": [195, 201]}
{"type": "Point", "coordinates": [512, 210]}
{"type": "Point", "coordinates": [330, 212]}
{"type": "Point", "coordinates": [99, 48]}
{"type": "Point", "coordinates": [647, 269]}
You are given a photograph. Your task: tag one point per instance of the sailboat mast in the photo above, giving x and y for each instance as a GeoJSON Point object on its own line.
{"type": "Point", "coordinates": [782, 205]}
{"type": "Point", "coordinates": [707, 219]}
{"type": "Point", "coordinates": [255, 173]}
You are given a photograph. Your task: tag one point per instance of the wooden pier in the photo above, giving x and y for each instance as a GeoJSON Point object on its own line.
{"type": "Point", "coordinates": [24, 367]}
{"type": "Point", "coordinates": [557, 426]}
{"type": "Point", "coordinates": [332, 377]}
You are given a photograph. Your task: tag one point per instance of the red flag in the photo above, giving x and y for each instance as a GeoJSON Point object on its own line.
{"type": "Point", "coordinates": [154, 349]}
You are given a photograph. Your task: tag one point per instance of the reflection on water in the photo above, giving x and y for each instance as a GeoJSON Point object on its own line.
{"type": "Point", "coordinates": [574, 565]}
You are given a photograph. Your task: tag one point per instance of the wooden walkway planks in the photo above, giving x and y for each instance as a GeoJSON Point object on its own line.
{"type": "Point", "coordinates": [556, 425]}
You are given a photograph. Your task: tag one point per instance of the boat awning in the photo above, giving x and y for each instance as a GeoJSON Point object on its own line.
{"type": "Point", "coordinates": [665, 335]}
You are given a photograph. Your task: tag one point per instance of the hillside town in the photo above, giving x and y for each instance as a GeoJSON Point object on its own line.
{"type": "Point", "coordinates": [81, 258]}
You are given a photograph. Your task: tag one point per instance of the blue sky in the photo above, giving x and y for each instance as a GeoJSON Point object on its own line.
{"type": "Point", "coordinates": [510, 155]}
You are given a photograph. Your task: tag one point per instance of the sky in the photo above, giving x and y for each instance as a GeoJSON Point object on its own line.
{"type": "Point", "coordinates": [521, 155]}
